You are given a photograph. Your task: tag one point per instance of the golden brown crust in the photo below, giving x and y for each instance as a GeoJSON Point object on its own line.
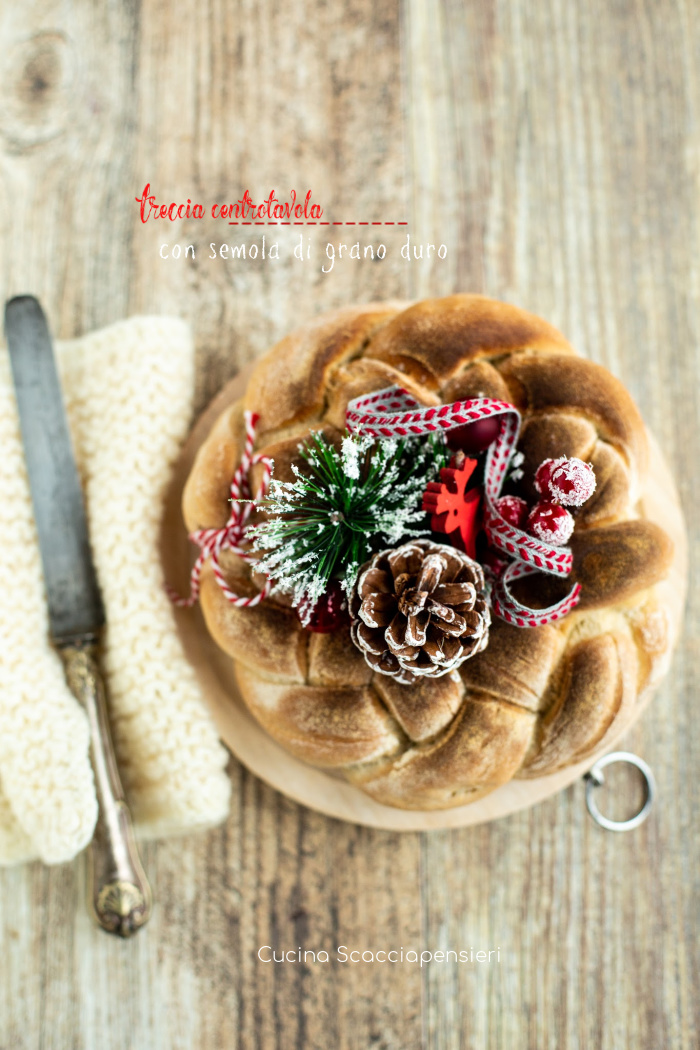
{"type": "Point", "coordinates": [334, 658]}
{"type": "Point", "coordinates": [611, 500]}
{"type": "Point", "coordinates": [288, 384]}
{"type": "Point", "coordinates": [516, 665]}
{"type": "Point", "coordinates": [361, 377]}
{"type": "Point", "coordinates": [326, 726]}
{"type": "Point", "coordinates": [424, 709]}
{"type": "Point", "coordinates": [434, 340]}
{"type": "Point", "coordinates": [263, 637]}
{"type": "Point", "coordinates": [205, 498]}
{"type": "Point", "coordinates": [614, 563]}
{"type": "Point", "coordinates": [483, 748]}
{"type": "Point", "coordinates": [598, 685]}
{"type": "Point", "coordinates": [535, 700]}
{"type": "Point", "coordinates": [479, 379]}
{"type": "Point", "coordinates": [567, 383]}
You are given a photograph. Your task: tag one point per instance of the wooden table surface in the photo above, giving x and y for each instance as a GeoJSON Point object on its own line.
{"type": "Point", "coordinates": [554, 149]}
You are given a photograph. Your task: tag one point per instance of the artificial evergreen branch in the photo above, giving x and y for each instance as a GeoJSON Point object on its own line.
{"type": "Point", "coordinates": [346, 504]}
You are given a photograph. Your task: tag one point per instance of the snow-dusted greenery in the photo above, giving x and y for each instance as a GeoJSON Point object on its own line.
{"type": "Point", "coordinates": [344, 505]}
{"type": "Point", "coordinates": [515, 463]}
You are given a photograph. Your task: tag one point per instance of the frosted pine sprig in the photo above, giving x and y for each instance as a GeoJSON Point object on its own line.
{"type": "Point", "coordinates": [345, 504]}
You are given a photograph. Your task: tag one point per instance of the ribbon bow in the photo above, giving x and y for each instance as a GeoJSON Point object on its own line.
{"type": "Point", "coordinates": [212, 542]}
{"type": "Point", "coordinates": [393, 413]}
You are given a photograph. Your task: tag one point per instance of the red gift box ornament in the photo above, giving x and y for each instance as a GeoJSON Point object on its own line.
{"type": "Point", "coordinates": [453, 509]}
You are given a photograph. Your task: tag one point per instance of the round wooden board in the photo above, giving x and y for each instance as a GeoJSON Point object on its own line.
{"type": "Point", "coordinates": [322, 791]}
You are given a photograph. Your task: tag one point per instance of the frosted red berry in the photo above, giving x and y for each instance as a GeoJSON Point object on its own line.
{"type": "Point", "coordinates": [475, 437]}
{"type": "Point", "coordinates": [513, 509]}
{"type": "Point", "coordinates": [543, 475]}
{"type": "Point", "coordinates": [328, 614]}
{"type": "Point", "coordinates": [550, 523]}
{"type": "Point", "coordinates": [567, 481]}
{"type": "Point", "coordinates": [572, 482]}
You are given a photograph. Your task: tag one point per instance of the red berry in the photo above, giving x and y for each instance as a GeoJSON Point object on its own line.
{"type": "Point", "coordinates": [328, 614]}
{"type": "Point", "coordinates": [572, 482]}
{"type": "Point", "coordinates": [475, 437]}
{"type": "Point", "coordinates": [550, 523]}
{"type": "Point", "coordinates": [513, 509]}
{"type": "Point", "coordinates": [543, 475]}
{"type": "Point", "coordinates": [567, 481]}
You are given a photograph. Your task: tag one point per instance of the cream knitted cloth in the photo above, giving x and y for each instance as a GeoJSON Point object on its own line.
{"type": "Point", "coordinates": [128, 391]}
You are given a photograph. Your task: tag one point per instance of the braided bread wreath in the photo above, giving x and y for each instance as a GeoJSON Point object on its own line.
{"type": "Point", "coordinates": [535, 700]}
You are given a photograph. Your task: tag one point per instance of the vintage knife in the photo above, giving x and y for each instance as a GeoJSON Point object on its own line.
{"type": "Point", "coordinates": [120, 896]}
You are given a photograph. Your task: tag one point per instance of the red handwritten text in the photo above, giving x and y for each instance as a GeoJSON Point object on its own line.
{"type": "Point", "coordinates": [245, 208]}
{"type": "Point", "coordinates": [151, 210]}
{"type": "Point", "coordinates": [271, 208]}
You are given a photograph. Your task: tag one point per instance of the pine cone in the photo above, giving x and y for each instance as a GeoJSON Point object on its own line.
{"type": "Point", "coordinates": [419, 609]}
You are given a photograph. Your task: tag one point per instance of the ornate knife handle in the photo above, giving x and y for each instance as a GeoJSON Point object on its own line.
{"type": "Point", "coordinates": [119, 893]}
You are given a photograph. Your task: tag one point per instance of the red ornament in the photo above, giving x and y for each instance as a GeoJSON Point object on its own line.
{"type": "Point", "coordinates": [328, 614]}
{"type": "Point", "coordinates": [543, 475]}
{"type": "Point", "coordinates": [474, 437]}
{"type": "Point", "coordinates": [567, 481]}
{"type": "Point", "coordinates": [513, 509]}
{"type": "Point", "coordinates": [551, 523]}
{"type": "Point", "coordinates": [453, 509]}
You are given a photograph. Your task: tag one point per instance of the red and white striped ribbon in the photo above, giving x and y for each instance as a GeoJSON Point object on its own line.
{"type": "Point", "coordinates": [513, 611]}
{"type": "Point", "coordinates": [212, 542]}
{"type": "Point", "coordinates": [393, 413]}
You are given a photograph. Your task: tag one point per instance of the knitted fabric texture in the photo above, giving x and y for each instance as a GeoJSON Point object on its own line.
{"type": "Point", "coordinates": [128, 392]}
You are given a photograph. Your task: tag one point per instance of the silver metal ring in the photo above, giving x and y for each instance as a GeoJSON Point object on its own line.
{"type": "Point", "coordinates": [594, 778]}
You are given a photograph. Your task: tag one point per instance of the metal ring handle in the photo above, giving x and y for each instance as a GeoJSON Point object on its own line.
{"type": "Point", "coordinates": [594, 778]}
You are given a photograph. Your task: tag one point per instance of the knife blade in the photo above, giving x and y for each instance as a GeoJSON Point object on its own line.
{"type": "Point", "coordinates": [120, 895]}
{"type": "Point", "coordinates": [75, 606]}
